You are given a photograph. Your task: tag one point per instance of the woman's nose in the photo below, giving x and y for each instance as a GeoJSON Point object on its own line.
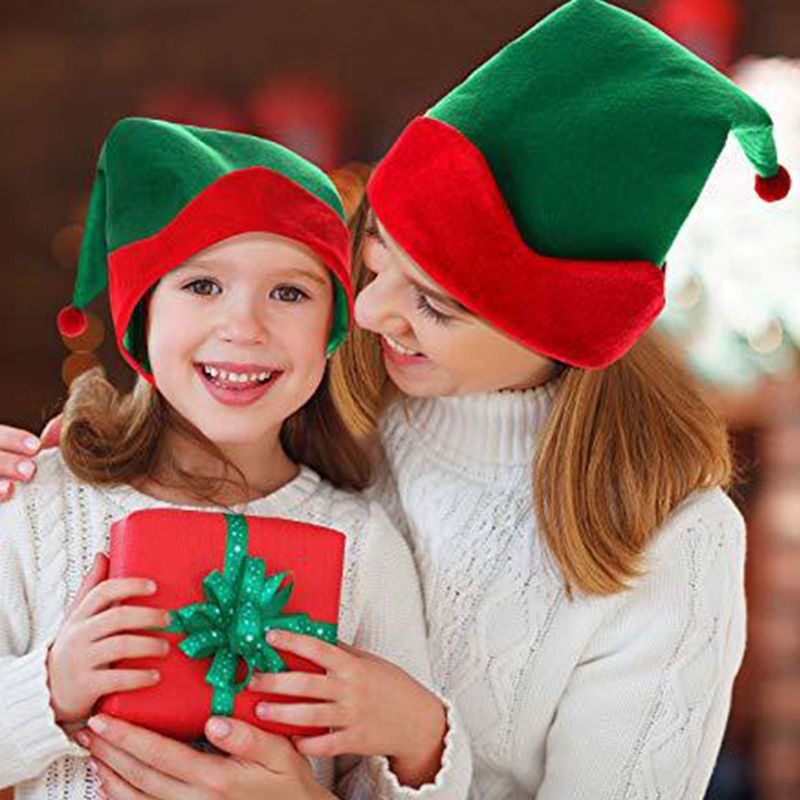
{"type": "Point", "coordinates": [377, 308]}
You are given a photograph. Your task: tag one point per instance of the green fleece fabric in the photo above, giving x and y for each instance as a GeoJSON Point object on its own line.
{"type": "Point", "coordinates": [601, 131]}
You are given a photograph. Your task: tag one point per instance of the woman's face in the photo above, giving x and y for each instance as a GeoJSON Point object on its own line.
{"type": "Point", "coordinates": [433, 346]}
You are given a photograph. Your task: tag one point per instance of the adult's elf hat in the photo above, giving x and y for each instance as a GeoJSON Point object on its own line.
{"type": "Point", "coordinates": [544, 191]}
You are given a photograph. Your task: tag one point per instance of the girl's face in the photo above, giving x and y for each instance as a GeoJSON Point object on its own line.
{"type": "Point", "coordinates": [432, 345]}
{"type": "Point", "coordinates": [237, 336]}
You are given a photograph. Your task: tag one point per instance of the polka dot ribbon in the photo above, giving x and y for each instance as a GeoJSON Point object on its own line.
{"type": "Point", "coordinates": [242, 604]}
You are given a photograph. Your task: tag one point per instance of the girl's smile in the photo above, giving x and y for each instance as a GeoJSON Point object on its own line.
{"type": "Point", "coordinates": [237, 384]}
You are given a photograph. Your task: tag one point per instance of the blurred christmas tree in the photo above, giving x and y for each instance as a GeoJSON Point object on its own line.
{"type": "Point", "coordinates": [733, 275]}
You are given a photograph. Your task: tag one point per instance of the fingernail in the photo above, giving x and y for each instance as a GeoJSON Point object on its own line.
{"type": "Point", "coordinates": [262, 711]}
{"type": "Point", "coordinates": [97, 724]}
{"type": "Point", "coordinates": [4, 486]}
{"type": "Point", "coordinates": [151, 587]}
{"type": "Point", "coordinates": [155, 675]}
{"type": "Point", "coordinates": [273, 637]}
{"type": "Point", "coordinates": [82, 738]}
{"type": "Point", "coordinates": [25, 468]}
{"type": "Point", "coordinates": [218, 728]}
{"type": "Point", "coordinates": [32, 444]}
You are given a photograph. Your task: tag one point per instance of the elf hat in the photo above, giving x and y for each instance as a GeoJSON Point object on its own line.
{"type": "Point", "coordinates": [164, 192]}
{"type": "Point", "coordinates": [545, 191]}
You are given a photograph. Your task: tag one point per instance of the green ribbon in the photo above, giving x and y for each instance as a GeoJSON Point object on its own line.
{"type": "Point", "coordinates": [241, 605]}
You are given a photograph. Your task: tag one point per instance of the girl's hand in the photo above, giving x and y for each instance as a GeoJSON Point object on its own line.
{"type": "Point", "coordinates": [17, 449]}
{"type": "Point", "coordinates": [79, 661]}
{"type": "Point", "coordinates": [136, 764]}
{"type": "Point", "coordinates": [374, 707]}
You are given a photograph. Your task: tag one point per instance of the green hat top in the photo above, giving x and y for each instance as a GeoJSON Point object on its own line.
{"type": "Point", "coordinates": [165, 191]}
{"type": "Point", "coordinates": [601, 131]}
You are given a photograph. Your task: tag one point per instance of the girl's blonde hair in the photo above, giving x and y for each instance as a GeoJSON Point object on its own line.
{"type": "Point", "coordinates": [109, 437]}
{"type": "Point", "coordinates": [621, 448]}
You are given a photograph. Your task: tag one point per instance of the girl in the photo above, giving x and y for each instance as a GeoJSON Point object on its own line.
{"type": "Point", "coordinates": [227, 260]}
{"type": "Point", "coordinates": [559, 477]}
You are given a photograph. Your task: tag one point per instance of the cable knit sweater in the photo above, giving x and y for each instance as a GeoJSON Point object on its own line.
{"type": "Point", "coordinates": [49, 534]}
{"type": "Point", "coordinates": [621, 697]}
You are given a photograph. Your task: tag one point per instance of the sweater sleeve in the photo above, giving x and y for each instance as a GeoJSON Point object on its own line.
{"type": "Point", "coordinates": [644, 713]}
{"type": "Point", "coordinates": [392, 626]}
{"type": "Point", "coordinates": [30, 739]}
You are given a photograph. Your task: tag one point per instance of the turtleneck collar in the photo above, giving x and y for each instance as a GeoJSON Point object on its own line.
{"type": "Point", "coordinates": [500, 428]}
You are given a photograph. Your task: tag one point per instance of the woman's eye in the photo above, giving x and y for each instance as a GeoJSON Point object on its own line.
{"type": "Point", "coordinates": [289, 294]}
{"type": "Point", "coordinates": [372, 232]}
{"type": "Point", "coordinates": [425, 307]}
{"type": "Point", "coordinates": [203, 286]}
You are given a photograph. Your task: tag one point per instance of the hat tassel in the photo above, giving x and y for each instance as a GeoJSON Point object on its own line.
{"type": "Point", "coordinates": [775, 188]}
{"type": "Point", "coordinates": [72, 322]}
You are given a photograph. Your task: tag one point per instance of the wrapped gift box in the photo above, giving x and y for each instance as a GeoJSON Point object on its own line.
{"type": "Point", "coordinates": [179, 549]}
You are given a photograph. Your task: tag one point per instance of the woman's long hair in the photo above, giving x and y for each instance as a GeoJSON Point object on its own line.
{"type": "Point", "coordinates": [620, 449]}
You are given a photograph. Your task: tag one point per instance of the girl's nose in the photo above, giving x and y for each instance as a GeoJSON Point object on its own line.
{"type": "Point", "coordinates": [241, 323]}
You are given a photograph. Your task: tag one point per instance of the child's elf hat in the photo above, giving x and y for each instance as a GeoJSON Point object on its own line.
{"type": "Point", "coordinates": [164, 192]}
{"type": "Point", "coordinates": [545, 191]}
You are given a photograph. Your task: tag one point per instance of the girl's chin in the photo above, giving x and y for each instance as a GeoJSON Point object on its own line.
{"type": "Point", "coordinates": [227, 435]}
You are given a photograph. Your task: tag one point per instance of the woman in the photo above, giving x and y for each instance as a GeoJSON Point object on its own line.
{"type": "Point", "coordinates": [559, 477]}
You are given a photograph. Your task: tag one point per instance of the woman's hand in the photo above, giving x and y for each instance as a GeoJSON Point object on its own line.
{"type": "Point", "coordinates": [17, 449]}
{"type": "Point", "coordinates": [136, 764]}
{"type": "Point", "coordinates": [374, 707]}
{"type": "Point", "coordinates": [93, 636]}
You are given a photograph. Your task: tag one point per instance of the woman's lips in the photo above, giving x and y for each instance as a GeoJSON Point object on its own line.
{"type": "Point", "coordinates": [401, 359]}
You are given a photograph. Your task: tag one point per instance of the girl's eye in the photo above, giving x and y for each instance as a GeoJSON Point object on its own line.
{"type": "Point", "coordinates": [203, 286]}
{"type": "Point", "coordinates": [289, 294]}
{"type": "Point", "coordinates": [425, 307]}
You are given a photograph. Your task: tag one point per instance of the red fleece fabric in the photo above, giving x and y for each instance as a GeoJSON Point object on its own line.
{"type": "Point", "coordinates": [436, 195]}
{"type": "Point", "coordinates": [256, 199]}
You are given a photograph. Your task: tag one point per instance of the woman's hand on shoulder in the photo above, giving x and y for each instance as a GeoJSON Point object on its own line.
{"type": "Point", "coordinates": [17, 450]}
{"type": "Point", "coordinates": [373, 707]}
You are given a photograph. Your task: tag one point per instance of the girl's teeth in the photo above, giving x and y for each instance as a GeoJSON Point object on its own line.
{"type": "Point", "coordinates": [236, 377]}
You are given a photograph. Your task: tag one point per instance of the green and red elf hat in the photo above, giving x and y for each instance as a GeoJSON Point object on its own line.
{"type": "Point", "coordinates": [545, 191]}
{"type": "Point", "coordinates": [164, 192]}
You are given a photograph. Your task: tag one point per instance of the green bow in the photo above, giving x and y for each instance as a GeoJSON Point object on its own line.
{"type": "Point", "coordinates": [241, 605]}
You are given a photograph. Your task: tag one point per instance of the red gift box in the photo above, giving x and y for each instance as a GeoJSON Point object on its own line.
{"type": "Point", "coordinates": [178, 549]}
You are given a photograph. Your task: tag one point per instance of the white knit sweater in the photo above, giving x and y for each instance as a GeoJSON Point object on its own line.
{"type": "Point", "coordinates": [49, 534]}
{"type": "Point", "coordinates": [599, 698]}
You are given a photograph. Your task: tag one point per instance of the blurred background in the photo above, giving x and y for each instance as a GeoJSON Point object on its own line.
{"type": "Point", "coordinates": [337, 81]}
